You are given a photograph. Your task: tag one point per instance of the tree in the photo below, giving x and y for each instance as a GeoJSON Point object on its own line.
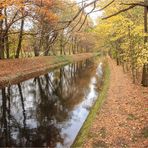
{"type": "Point", "coordinates": [117, 8]}
{"type": "Point", "coordinates": [145, 67]}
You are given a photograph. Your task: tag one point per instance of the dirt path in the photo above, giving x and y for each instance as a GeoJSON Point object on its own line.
{"type": "Point", "coordinates": [14, 71]}
{"type": "Point", "coordinates": [122, 121]}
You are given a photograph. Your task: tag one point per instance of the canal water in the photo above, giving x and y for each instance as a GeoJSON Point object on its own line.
{"type": "Point", "coordinates": [49, 110]}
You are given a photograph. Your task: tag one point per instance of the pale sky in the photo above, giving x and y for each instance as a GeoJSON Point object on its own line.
{"type": "Point", "coordinates": [95, 15]}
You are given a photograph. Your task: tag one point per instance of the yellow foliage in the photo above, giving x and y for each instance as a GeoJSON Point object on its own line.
{"type": "Point", "coordinates": [123, 33]}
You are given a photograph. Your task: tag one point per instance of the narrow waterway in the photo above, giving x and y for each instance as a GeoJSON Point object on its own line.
{"type": "Point", "coordinates": [49, 110]}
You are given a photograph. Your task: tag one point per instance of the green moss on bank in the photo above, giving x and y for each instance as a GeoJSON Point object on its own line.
{"type": "Point", "coordinates": [84, 132]}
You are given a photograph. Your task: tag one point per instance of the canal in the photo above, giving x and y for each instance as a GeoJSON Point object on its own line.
{"type": "Point", "coordinates": [49, 110]}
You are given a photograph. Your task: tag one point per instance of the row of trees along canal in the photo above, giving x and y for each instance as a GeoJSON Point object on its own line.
{"type": "Point", "coordinates": [45, 27]}
{"type": "Point", "coordinates": [124, 32]}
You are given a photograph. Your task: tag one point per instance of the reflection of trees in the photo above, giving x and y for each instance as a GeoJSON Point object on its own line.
{"type": "Point", "coordinates": [54, 96]}
{"type": "Point", "coordinates": [4, 120]}
{"type": "Point", "coordinates": [45, 133]}
{"type": "Point", "coordinates": [74, 83]}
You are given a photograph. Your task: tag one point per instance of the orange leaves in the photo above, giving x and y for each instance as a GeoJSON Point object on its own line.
{"type": "Point", "coordinates": [50, 16]}
{"type": "Point", "coordinates": [47, 3]}
{"type": "Point", "coordinates": [7, 3]}
{"type": "Point", "coordinates": [41, 8]}
{"type": "Point", "coordinates": [44, 8]}
{"type": "Point", "coordinates": [2, 17]}
{"type": "Point", "coordinates": [47, 14]}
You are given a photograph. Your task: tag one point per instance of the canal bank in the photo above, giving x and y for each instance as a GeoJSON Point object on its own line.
{"type": "Point", "coordinates": [23, 69]}
{"type": "Point", "coordinates": [84, 132]}
{"type": "Point", "coordinates": [49, 110]}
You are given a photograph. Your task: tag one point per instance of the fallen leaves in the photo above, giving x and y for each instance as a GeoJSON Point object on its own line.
{"type": "Point", "coordinates": [123, 115]}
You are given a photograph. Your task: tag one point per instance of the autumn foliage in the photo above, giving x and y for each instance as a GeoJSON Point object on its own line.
{"type": "Point", "coordinates": [43, 26]}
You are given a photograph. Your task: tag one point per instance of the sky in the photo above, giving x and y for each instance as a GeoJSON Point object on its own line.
{"type": "Point", "coordinates": [95, 15]}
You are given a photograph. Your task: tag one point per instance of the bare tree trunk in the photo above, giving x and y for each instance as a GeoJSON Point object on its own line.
{"type": "Point", "coordinates": [2, 45]}
{"type": "Point", "coordinates": [36, 50]}
{"type": "Point", "coordinates": [7, 46]}
{"type": "Point", "coordinates": [77, 48]}
{"type": "Point", "coordinates": [47, 51]}
{"type": "Point", "coordinates": [74, 45]}
{"type": "Point", "coordinates": [69, 50]}
{"type": "Point", "coordinates": [73, 51]}
{"type": "Point", "coordinates": [145, 67]}
{"type": "Point", "coordinates": [61, 45]}
{"type": "Point", "coordinates": [47, 46]}
{"type": "Point", "coordinates": [146, 21]}
{"type": "Point", "coordinates": [117, 55]}
{"type": "Point", "coordinates": [20, 39]}
{"type": "Point", "coordinates": [1, 37]}
{"type": "Point", "coordinates": [6, 35]}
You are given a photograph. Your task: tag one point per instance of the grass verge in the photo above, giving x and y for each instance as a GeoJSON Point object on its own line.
{"type": "Point", "coordinates": [83, 133]}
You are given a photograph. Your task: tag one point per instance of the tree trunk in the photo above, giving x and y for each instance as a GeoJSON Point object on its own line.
{"type": "Point", "coordinates": [61, 44]}
{"type": "Point", "coordinates": [73, 51]}
{"type": "Point", "coordinates": [146, 21]}
{"type": "Point", "coordinates": [145, 75]}
{"type": "Point", "coordinates": [6, 34]}
{"type": "Point", "coordinates": [47, 47]}
{"type": "Point", "coordinates": [2, 45]}
{"type": "Point", "coordinates": [145, 67]}
{"type": "Point", "coordinates": [20, 39]}
{"type": "Point", "coordinates": [7, 46]}
{"type": "Point", "coordinates": [1, 37]}
{"type": "Point", "coordinates": [47, 51]}
{"type": "Point", "coordinates": [69, 50]}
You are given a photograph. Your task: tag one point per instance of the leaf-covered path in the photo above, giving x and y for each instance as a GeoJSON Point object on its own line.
{"type": "Point", "coordinates": [122, 121]}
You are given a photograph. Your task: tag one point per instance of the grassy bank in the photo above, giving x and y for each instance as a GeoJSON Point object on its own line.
{"type": "Point", "coordinates": [83, 133]}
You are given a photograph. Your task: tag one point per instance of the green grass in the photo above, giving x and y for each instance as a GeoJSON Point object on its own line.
{"type": "Point", "coordinates": [68, 58]}
{"type": "Point", "coordinates": [145, 132]}
{"type": "Point", "coordinates": [131, 117]}
{"type": "Point", "coordinates": [96, 54]}
{"type": "Point", "coordinates": [84, 132]}
{"type": "Point", "coordinates": [62, 58]}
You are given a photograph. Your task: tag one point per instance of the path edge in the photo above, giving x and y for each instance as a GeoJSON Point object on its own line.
{"type": "Point", "coordinates": [84, 131]}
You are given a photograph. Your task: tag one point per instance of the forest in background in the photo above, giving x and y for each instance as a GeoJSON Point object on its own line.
{"type": "Point", "coordinates": [52, 27]}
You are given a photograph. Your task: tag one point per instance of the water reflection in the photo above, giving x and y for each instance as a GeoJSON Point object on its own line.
{"type": "Point", "coordinates": [49, 110]}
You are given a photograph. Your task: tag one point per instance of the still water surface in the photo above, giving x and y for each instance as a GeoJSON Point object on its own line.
{"type": "Point", "coordinates": [49, 110]}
